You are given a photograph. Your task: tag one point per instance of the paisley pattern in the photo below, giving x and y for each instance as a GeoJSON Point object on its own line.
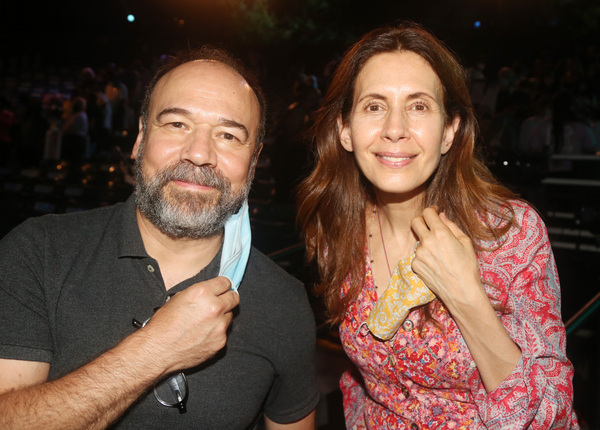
{"type": "Point", "coordinates": [424, 377]}
{"type": "Point", "coordinates": [404, 292]}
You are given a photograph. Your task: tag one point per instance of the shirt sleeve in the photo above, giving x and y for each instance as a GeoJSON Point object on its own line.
{"type": "Point", "coordinates": [538, 394]}
{"type": "Point", "coordinates": [294, 393]}
{"type": "Point", "coordinates": [25, 329]}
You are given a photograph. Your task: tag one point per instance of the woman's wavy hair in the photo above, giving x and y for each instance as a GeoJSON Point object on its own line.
{"type": "Point", "coordinates": [331, 200]}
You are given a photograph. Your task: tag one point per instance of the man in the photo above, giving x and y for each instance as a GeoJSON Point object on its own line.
{"type": "Point", "coordinates": [71, 285]}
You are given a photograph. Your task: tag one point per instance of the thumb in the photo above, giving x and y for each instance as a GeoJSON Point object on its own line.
{"type": "Point", "coordinates": [455, 229]}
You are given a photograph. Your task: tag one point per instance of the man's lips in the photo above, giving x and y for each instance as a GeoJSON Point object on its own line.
{"type": "Point", "coordinates": [191, 185]}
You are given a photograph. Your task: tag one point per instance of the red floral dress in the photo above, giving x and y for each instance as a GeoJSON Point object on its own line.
{"type": "Point", "coordinates": [425, 377]}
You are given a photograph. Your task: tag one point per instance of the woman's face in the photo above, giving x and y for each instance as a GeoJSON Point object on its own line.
{"type": "Point", "coordinates": [397, 128]}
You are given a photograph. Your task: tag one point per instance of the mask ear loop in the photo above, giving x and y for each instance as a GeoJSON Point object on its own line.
{"type": "Point", "coordinates": [236, 246]}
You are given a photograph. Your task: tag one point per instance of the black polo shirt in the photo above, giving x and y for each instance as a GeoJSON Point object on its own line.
{"type": "Point", "coordinates": [71, 284]}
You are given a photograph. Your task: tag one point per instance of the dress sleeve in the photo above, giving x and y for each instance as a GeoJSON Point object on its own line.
{"type": "Point", "coordinates": [354, 395]}
{"type": "Point", "coordinates": [538, 394]}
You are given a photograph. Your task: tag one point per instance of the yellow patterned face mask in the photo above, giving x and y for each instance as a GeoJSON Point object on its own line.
{"type": "Point", "coordinates": [404, 292]}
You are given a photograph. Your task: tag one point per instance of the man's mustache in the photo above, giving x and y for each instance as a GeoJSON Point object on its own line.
{"type": "Point", "coordinates": [199, 175]}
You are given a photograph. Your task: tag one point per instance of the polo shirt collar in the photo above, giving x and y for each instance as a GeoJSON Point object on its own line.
{"type": "Point", "coordinates": [130, 243]}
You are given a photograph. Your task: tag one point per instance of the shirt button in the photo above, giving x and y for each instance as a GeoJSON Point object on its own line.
{"type": "Point", "coordinates": [405, 391]}
{"type": "Point", "coordinates": [150, 268]}
{"type": "Point", "coordinates": [391, 360]}
{"type": "Point", "coordinates": [363, 330]}
{"type": "Point", "coordinates": [408, 325]}
{"type": "Point", "coordinates": [414, 426]}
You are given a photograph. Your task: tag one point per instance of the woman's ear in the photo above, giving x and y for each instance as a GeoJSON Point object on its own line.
{"type": "Point", "coordinates": [344, 135]}
{"type": "Point", "coordinates": [449, 133]}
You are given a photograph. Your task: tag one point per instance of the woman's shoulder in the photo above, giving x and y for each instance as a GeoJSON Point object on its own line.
{"type": "Point", "coordinates": [526, 228]}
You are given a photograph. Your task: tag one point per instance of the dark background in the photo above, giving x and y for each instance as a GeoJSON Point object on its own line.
{"type": "Point", "coordinates": [94, 32]}
{"type": "Point", "coordinates": [42, 40]}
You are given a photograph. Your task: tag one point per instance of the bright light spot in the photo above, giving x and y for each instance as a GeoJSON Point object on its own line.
{"type": "Point", "coordinates": [477, 24]}
{"type": "Point", "coordinates": [505, 163]}
{"type": "Point", "coordinates": [111, 169]}
{"type": "Point", "coordinates": [130, 18]}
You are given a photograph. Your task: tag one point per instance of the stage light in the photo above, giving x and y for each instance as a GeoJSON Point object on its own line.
{"type": "Point", "coordinates": [477, 24]}
{"type": "Point", "coordinates": [130, 18]}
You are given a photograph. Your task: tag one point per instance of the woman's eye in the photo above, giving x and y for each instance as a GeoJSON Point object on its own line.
{"type": "Point", "coordinates": [420, 107]}
{"type": "Point", "coordinates": [177, 124]}
{"type": "Point", "coordinates": [373, 108]}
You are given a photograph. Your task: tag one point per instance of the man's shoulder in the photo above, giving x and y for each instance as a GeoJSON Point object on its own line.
{"type": "Point", "coordinates": [266, 285]}
{"type": "Point", "coordinates": [71, 228]}
{"type": "Point", "coordinates": [260, 267]}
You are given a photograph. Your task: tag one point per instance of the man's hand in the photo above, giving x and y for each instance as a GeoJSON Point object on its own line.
{"type": "Point", "coordinates": [192, 326]}
{"type": "Point", "coordinates": [188, 330]}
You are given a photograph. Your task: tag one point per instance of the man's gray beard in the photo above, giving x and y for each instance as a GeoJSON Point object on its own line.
{"type": "Point", "coordinates": [187, 214]}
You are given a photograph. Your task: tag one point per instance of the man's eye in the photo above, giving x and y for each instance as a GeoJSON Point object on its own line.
{"type": "Point", "coordinates": [177, 124]}
{"type": "Point", "coordinates": [229, 136]}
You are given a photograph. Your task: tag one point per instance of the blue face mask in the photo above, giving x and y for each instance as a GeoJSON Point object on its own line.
{"type": "Point", "coordinates": [236, 246]}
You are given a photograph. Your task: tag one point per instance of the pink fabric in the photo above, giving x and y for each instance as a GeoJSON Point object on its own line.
{"type": "Point", "coordinates": [427, 378]}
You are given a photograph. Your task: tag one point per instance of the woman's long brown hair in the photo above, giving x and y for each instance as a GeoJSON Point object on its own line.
{"type": "Point", "coordinates": [332, 199]}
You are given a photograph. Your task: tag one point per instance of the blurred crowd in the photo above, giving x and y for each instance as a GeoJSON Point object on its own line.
{"type": "Point", "coordinates": [546, 107]}
{"type": "Point", "coordinates": [531, 110]}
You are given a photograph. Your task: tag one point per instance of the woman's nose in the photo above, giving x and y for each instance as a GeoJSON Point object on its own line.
{"type": "Point", "coordinates": [396, 126]}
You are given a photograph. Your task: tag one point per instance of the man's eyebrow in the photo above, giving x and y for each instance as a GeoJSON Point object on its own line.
{"type": "Point", "coordinates": [173, 111]}
{"type": "Point", "coordinates": [231, 123]}
{"type": "Point", "coordinates": [186, 113]}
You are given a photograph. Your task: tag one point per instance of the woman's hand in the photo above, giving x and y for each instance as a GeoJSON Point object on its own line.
{"type": "Point", "coordinates": [445, 259]}
{"type": "Point", "coordinates": [447, 263]}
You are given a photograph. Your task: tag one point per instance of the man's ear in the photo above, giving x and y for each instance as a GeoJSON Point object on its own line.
{"type": "Point", "coordinates": [138, 140]}
{"type": "Point", "coordinates": [344, 135]}
{"type": "Point", "coordinates": [254, 161]}
{"type": "Point", "coordinates": [449, 133]}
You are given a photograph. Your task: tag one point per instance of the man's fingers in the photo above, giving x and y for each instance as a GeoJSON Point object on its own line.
{"type": "Point", "coordinates": [231, 298]}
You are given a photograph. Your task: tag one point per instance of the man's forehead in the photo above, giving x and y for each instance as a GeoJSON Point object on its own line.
{"type": "Point", "coordinates": [206, 79]}
{"type": "Point", "coordinates": [201, 70]}
{"type": "Point", "coordinates": [207, 75]}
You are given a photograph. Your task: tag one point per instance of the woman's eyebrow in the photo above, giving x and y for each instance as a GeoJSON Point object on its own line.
{"type": "Point", "coordinates": [375, 96]}
{"type": "Point", "coordinates": [420, 94]}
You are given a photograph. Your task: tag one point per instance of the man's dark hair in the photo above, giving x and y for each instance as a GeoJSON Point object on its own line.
{"type": "Point", "coordinates": [211, 54]}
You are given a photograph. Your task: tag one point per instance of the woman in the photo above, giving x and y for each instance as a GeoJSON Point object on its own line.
{"type": "Point", "coordinates": [443, 284]}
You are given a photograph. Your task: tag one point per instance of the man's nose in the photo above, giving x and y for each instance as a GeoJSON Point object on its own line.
{"type": "Point", "coordinates": [199, 148]}
{"type": "Point", "coordinates": [396, 125]}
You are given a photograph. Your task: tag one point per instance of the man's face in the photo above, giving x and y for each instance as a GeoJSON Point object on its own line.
{"type": "Point", "coordinates": [194, 158]}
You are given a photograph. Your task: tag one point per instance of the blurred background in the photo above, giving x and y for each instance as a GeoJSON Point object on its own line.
{"type": "Point", "coordinates": [73, 73]}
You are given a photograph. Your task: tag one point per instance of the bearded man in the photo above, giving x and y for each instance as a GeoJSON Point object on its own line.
{"type": "Point", "coordinates": [156, 312]}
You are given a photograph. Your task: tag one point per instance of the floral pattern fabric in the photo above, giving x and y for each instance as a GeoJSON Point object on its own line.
{"type": "Point", "coordinates": [425, 377]}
